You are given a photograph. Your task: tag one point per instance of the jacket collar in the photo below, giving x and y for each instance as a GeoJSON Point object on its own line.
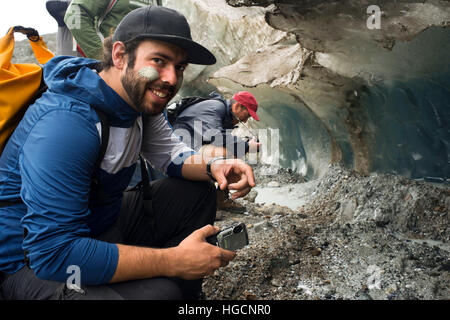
{"type": "Point", "coordinates": [78, 79]}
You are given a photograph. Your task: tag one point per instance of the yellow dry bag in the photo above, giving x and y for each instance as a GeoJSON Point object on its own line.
{"type": "Point", "coordinates": [19, 82]}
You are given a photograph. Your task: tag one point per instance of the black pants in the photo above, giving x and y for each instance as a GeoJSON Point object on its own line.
{"type": "Point", "coordinates": [179, 208]}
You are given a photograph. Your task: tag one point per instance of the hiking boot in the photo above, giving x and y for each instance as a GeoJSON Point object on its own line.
{"type": "Point", "coordinates": [224, 202]}
{"type": "Point", "coordinates": [231, 206]}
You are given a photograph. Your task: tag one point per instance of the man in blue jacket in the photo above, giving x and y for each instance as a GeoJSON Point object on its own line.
{"type": "Point", "coordinates": [211, 121]}
{"type": "Point", "coordinates": [206, 126]}
{"type": "Point", "coordinates": [59, 239]}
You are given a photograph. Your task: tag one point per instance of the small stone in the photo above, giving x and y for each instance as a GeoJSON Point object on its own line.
{"type": "Point", "coordinates": [273, 184]}
{"type": "Point", "coordinates": [316, 252]}
{"type": "Point", "coordinates": [347, 210]}
{"type": "Point", "coordinates": [258, 226]}
{"type": "Point", "coordinates": [391, 289]}
{"type": "Point", "coordinates": [249, 295]}
{"type": "Point", "coordinates": [296, 261]}
{"type": "Point", "coordinates": [276, 283]}
{"type": "Point", "coordinates": [329, 295]}
{"type": "Point", "coordinates": [251, 196]}
{"type": "Point", "coordinates": [445, 266]}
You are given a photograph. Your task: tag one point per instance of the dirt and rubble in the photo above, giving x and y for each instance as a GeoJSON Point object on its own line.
{"type": "Point", "coordinates": [356, 237]}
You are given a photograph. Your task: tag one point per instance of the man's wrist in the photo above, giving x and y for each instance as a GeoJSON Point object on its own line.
{"type": "Point", "coordinates": [208, 166]}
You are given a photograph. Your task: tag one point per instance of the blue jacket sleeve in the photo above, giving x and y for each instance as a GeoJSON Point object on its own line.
{"type": "Point", "coordinates": [162, 148]}
{"type": "Point", "coordinates": [56, 164]}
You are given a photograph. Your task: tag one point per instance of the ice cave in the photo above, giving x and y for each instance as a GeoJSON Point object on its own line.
{"type": "Point", "coordinates": [349, 82]}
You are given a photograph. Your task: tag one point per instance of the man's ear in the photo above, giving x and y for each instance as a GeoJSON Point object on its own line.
{"type": "Point", "coordinates": [235, 107]}
{"type": "Point", "coordinates": [119, 55]}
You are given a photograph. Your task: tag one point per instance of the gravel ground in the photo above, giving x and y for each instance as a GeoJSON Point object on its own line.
{"type": "Point", "coordinates": [380, 237]}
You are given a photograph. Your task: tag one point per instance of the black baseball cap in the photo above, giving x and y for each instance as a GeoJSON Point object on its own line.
{"type": "Point", "coordinates": [165, 24]}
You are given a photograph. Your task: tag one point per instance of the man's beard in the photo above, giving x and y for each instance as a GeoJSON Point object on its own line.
{"type": "Point", "coordinates": [136, 88]}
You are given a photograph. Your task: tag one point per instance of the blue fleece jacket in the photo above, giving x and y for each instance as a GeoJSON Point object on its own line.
{"type": "Point", "coordinates": [210, 122]}
{"type": "Point", "coordinates": [47, 166]}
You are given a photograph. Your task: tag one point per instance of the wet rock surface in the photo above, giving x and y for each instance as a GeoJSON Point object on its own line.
{"type": "Point", "coordinates": [357, 237]}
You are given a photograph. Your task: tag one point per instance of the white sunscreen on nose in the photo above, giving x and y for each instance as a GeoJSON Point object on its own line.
{"type": "Point", "coordinates": [149, 73]}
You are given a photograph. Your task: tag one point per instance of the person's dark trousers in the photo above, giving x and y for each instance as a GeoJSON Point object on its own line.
{"type": "Point", "coordinates": [179, 208]}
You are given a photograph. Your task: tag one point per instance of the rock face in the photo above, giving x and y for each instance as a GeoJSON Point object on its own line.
{"type": "Point", "coordinates": [341, 81]}
{"type": "Point", "coordinates": [382, 237]}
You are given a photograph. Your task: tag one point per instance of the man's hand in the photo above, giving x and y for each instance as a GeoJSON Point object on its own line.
{"type": "Point", "coordinates": [197, 258]}
{"type": "Point", "coordinates": [233, 174]}
{"type": "Point", "coordinates": [193, 258]}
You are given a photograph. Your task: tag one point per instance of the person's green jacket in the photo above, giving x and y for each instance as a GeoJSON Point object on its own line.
{"type": "Point", "coordinates": [90, 21]}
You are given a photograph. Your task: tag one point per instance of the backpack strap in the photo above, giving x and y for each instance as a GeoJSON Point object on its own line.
{"type": "Point", "coordinates": [96, 186]}
{"type": "Point", "coordinates": [102, 17]}
{"type": "Point", "coordinates": [144, 174]}
{"type": "Point", "coordinates": [184, 103]}
{"type": "Point", "coordinates": [146, 194]}
{"type": "Point", "coordinates": [105, 136]}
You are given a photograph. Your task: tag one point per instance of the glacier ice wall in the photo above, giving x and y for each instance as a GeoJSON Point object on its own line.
{"type": "Point", "coordinates": [336, 91]}
{"type": "Point", "coordinates": [408, 126]}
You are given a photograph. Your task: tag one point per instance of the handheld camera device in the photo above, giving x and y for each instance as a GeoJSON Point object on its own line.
{"type": "Point", "coordinates": [231, 238]}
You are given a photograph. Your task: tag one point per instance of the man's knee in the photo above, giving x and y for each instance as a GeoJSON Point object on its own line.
{"type": "Point", "coordinates": [24, 285]}
{"type": "Point", "coordinates": [203, 186]}
{"type": "Point", "coordinates": [203, 194]}
{"type": "Point", "coordinates": [208, 193]}
{"type": "Point", "coordinates": [210, 189]}
{"type": "Point", "coordinates": [189, 189]}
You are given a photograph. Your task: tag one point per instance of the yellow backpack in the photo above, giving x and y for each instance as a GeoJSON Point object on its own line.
{"type": "Point", "coordinates": [20, 82]}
